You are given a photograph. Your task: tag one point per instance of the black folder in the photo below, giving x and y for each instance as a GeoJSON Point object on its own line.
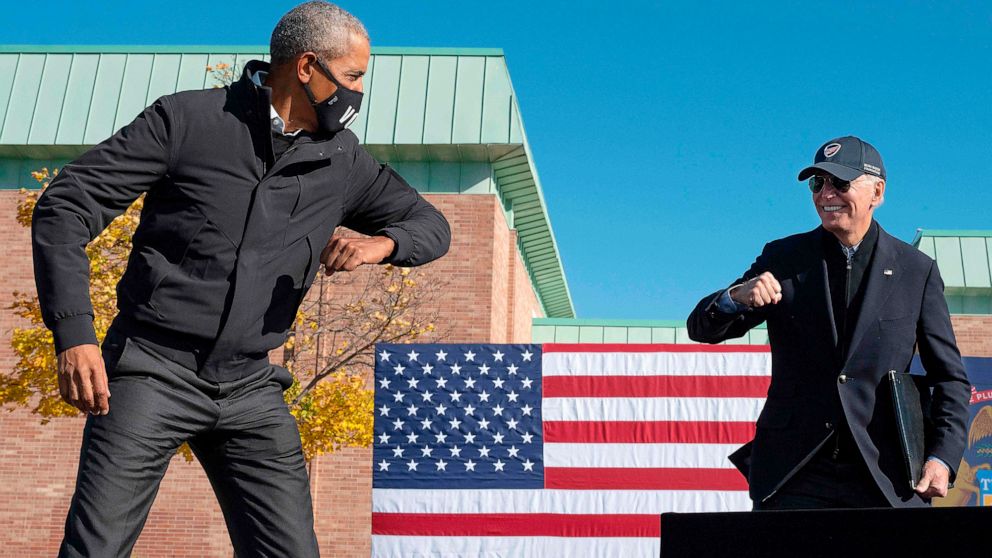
{"type": "Point", "coordinates": [909, 421]}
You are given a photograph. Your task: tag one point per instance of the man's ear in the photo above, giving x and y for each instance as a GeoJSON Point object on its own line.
{"type": "Point", "coordinates": [878, 196]}
{"type": "Point", "coordinates": [305, 66]}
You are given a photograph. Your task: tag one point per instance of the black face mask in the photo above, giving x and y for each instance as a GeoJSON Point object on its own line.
{"type": "Point", "coordinates": [338, 111]}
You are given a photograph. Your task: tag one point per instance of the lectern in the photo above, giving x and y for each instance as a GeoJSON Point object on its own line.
{"type": "Point", "coordinates": [844, 533]}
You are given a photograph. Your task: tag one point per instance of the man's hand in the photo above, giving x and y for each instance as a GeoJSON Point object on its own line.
{"type": "Point", "coordinates": [83, 379]}
{"type": "Point", "coordinates": [933, 484]}
{"type": "Point", "coordinates": [346, 254]}
{"type": "Point", "coordinates": [759, 291]}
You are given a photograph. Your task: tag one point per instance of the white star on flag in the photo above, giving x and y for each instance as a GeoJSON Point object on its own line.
{"type": "Point", "coordinates": [470, 383]}
{"type": "Point", "coordinates": [528, 466]}
{"type": "Point", "coordinates": [483, 451]}
{"type": "Point", "coordinates": [527, 355]}
{"type": "Point", "coordinates": [397, 424]}
{"type": "Point", "coordinates": [512, 396]}
{"type": "Point", "coordinates": [512, 369]}
{"type": "Point", "coordinates": [383, 438]}
{"type": "Point", "coordinates": [469, 410]}
{"type": "Point", "coordinates": [455, 396]}
{"type": "Point", "coordinates": [441, 465]}
{"type": "Point", "coordinates": [527, 437]}
{"type": "Point", "coordinates": [527, 409]}
{"type": "Point", "coordinates": [383, 356]}
{"type": "Point", "coordinates": [499, 465]}
{"type": "Point", "coordinates": [425, 424]}
{"type": "Point", "coordinates": [383, 411]}
{"type": "Point", "coordinates": [455, 423]}
{"type": "Point", "coordinates": [498, 438]}
{"type": "Point", "coordinates": [411, 411]}
{"type": "Point", "coordinates": [484, 396]}
{"type": "Point", "coordinates": [426, 452]}
{"type": "Point", "coordinates": [397, 452]}
{"type": "Point", "coordinates": [398, 369]}
{"type": "Point", "coordinates": [513, 451]}
{"type": "Point", "coordinates": [411, 438]}
{"type": "Point", "coordinates": [383, 465]}
{"type": "Point", "coordinates": [470, 438]}
{"type": "Point", "coordinates": [398, 397]}
{"type": "Point", "coordinates": [470, 356]}
{"type": "Point", "coordinates": [498, 382]}
{"type": "Point", "coordinates": [441, 382]}
{"type": "Point", "coordinates": [527, 382]}
{"type": "Point", "coordinates": [411, 466]}
{"type": "Point", "coordinates": [412, 356]}
{"type": "Point", "coordinates": [441, 437]}
{"type": "Point", "coordinates": [498, 356]}
{"type": "Point", "coordinates": [412, 382]}
{"type": "Point", "coordinates": [484, 423]}
{"type": "Point", "coordinates": [456, 451]}
{"type": "Point", "coordinates": [384, 383]}
{"type": "Point", "coordinates": [441, 409]}
{"type": "Point", "coordinates": [427, 395]}
{"type": "Point", "coordinates": [455, 369]}
{"type": "Point", "coordinates": [441, 355]}
{"type": "Point", "coordinates": [428, 368]}
{"type": "Point", "coordinates": [512, 424]}
{"type": "Point", "coordinates": [484, 369]}
{"type": "Point", "coordinates": [498, 410]}
{"type": "Point", "coordinates": [469, 465]}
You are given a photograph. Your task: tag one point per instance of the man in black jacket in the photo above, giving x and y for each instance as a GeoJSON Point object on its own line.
{"type": "Point", "coordinates": [845, 304]}
{"type": "Point", "coordinates": [243, 187]}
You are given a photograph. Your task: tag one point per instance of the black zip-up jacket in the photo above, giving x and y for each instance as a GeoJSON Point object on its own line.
{"type": "Point", "coordinates": [229, 239]}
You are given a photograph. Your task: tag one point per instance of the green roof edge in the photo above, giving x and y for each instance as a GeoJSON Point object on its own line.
{"type": "Point", "coordinates": [230, 49]}
{"type": "Point", "coordinates": [569, 312]}
{"type": "Point", "coordinates": [920, 233]}
{"type": "Point", "coordinates": [597, 322]}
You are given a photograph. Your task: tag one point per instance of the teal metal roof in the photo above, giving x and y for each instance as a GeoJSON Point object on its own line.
{"type": "Point", "coordinates": [965, 262]}
{"type": "Point", "coordinates": [437, 112]}
{"type": "Point", "coordinates": [963, 256]}
{"type": "Point", "coordinates": [552, 330]}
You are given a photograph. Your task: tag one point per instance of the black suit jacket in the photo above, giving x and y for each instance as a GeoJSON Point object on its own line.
{"type": "Point", "coordinates": [812, 390]}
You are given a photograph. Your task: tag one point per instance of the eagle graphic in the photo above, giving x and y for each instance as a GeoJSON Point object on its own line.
{"type": "Point", "coordinates": [979, 434]}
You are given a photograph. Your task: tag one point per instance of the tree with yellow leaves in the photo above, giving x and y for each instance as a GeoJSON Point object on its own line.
{"type": "Point", "coordinates": [328, 351]}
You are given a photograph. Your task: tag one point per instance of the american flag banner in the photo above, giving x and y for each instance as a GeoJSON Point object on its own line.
{"type": "Point", "coordinates": [556, 450]}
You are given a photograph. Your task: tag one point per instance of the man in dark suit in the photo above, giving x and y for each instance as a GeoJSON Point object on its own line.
{"type": "Point", "coordinates": [845, 304]}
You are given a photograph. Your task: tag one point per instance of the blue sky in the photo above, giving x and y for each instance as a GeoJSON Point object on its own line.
{"type": "Point", "coordinates": [668, 135]}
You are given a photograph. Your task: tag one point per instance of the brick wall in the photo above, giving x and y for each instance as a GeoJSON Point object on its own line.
{"type": "Point", "coordinates": [973, 334]}
{"type": "Point", "coordinates": [488, 298]}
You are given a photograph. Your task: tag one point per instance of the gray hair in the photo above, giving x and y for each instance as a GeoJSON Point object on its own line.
{"type": "Point", "coordinates": [319, 27]}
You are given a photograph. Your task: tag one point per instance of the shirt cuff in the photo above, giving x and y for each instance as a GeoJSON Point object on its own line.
{"type": "Point", "coordinates": [726, 304]}
{"type": "Point", "coordinates": [941, 461]}
{"type": "Point", "coordinates": [72, 331]}
{"type": "Point", "coordinates": [404, 244]}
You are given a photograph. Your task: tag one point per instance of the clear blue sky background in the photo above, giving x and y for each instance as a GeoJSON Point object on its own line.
{"type": "Point", "coordinates": [668, 136]}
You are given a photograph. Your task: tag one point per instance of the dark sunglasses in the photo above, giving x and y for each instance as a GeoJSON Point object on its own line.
{"type": "Point", "coordinates": [816, 183]}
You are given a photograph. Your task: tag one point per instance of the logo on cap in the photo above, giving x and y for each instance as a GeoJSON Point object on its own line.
{"type": "Point", "coordinates": [831, 150]}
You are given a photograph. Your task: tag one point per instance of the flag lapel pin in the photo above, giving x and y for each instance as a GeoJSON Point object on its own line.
{"type": "Point", "coordinates": [887, 272]}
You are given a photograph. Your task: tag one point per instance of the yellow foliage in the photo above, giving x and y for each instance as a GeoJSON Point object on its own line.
{"type": "Point", "coordinates": [337, 412]}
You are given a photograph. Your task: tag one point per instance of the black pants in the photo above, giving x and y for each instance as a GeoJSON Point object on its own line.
{"type": "Point", "coordinates": [241, 432]}
{"type": "Point", "coordinates": [829, 480]}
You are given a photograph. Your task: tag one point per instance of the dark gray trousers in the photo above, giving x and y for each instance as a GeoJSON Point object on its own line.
{"type": "Point", "coordinates": [241, 432]}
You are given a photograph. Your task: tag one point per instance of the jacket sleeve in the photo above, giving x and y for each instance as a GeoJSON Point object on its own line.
{"type": "Point", "coordinates": [78, 204]}
{"type": "Point", "coordinates": [381, 203]}
{"type": "Point", "coordinates": [708, 324]}
{"type": "Point", "coordinates": [945, 373]}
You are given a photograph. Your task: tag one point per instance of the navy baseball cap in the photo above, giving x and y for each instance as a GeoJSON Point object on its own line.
{"type": "Point", "coordinates": [846, 158]}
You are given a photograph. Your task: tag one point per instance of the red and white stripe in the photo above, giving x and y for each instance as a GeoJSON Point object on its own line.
{"type": "Point", "coordinates": [630, 432]}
